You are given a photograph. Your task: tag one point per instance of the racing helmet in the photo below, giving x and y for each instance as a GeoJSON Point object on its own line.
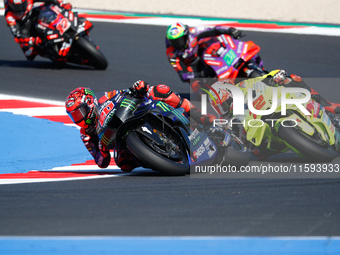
{"type": "Point", "coordinates": [20, 5]}
{"type": "Point", "coordinates": [80, 107]}
{"type": "Point", "coordinates": [177, 35]}
{"type": "Point", "coordinates": [220, 98]}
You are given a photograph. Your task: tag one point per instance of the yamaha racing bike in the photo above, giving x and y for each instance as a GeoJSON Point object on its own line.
{"type": "Point", "coordinates": [157, 135]}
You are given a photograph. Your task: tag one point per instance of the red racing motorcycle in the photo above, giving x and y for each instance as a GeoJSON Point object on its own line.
{"type": "Point", "coordinates": [65, 37]}
{"type": "Point", "coordinates": [231, 58]}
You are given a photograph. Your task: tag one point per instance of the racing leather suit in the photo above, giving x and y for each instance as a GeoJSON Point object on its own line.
{"type": "Point", "coordinates": [20, 24]}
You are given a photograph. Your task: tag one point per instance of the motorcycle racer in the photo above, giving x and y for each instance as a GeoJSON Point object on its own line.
{"type": "Point", "coordinates": [221, 99]}
{"type": "Point", "coordinates": [18, 14]}
{"type": "Point", "coordinates": [185, 44]}
{"type": "Point", "coordinates": [80, 107]}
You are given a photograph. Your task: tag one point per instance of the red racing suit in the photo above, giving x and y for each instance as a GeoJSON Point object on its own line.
{"type": "Point", "coordinates": [20, 25]}
{"type": "Point", "coordinates": [98, 147]}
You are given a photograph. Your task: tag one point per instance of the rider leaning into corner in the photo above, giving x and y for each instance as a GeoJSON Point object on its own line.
{"type": "Point", "coordinates": [80, 107]}
{"type": "Point", "coordinates": [275, 78]}
{"type": "Point", "coordinates": [183, 49]}
{"type": "Point", "coordinates": [18, 14]}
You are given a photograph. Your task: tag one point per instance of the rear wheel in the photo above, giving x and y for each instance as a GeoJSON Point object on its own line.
{"type": "Point", "coordinates": [89, 52]}
{"type": "Point", "coordinates": [313, 147]}
{"type": "Point", "coordinates": [169, 159]}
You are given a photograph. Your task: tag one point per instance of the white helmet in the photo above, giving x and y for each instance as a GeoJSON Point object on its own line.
{"type": "Point", "coordinates": [220, 97]}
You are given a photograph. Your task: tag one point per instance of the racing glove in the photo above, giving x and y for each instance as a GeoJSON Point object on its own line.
{"type": "Point", "coordinates": [66, 6]}
{"type": "Point", "coordinates": [233, 32]}
{"type": "Point", "coordinates": [29, 42]}
{"type": "Point", "coordinates": [140, 88]}
{"type": "Point", "coordinates": [208, 118]}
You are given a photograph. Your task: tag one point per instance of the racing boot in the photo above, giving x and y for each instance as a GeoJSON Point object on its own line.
{"type": "Point", "coordinates": [126, 162]}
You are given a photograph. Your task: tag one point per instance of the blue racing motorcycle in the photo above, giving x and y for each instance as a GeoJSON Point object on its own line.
{"type": "Point", "coordinates": [159, 136]}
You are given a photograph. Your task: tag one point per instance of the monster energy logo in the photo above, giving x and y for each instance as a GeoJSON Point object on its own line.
{"type": "Point", "coordinates": [127, 103]}
{"type": "Point", "coordinates": [89, 92]}
{"type": "Point", "coordinates": [167, 109]}
{"type": "Point", "coordinates": [163, 106]}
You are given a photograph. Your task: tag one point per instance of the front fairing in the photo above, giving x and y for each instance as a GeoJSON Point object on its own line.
{"type": "Point", "coordinates": [202, 148]}
{"type": "Point", "coordinates": [123, 113]}
{"type": "Point", "coordinates": [58, 28]}
{"type": "Point", "coordinates": [53, 23]}
{"type": "Point", "coordinates": [227, 56]}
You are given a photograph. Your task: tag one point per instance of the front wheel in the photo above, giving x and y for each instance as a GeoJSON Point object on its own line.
{"type": "Point", "coordinates": [150, 154]}
{"type": "Point", "coordinates": [89, 52]}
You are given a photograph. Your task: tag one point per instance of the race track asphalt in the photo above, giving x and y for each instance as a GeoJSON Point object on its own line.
{"type": "Point", "coordinates": [159, 205]}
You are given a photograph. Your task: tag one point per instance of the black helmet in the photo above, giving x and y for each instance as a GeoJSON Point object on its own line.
{"type": "Point", "coordinates": [18, 5]}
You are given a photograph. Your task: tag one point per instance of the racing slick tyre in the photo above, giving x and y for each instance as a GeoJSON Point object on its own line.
{"type": "Point", "coordinates": [91, 53]}
{"type": "Point", "coordinates": [237, 158]}
{"type": "Point", "coordinates": [314, 147]}
{"type": "Point", "coordinates": [148, 153]}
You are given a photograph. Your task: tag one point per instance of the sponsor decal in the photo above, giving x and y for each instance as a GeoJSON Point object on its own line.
{"type": "Point", "coordinates": [41, 27]}
{"type": "Point", "coordinates": [239, 47]}
{"type": "Point", "coordinates": [106, 113]}
{"type": "Point", "coordinates": [145, 129]}
{"type": "Point", "coordinates": [207, 142]}
{"type": "Point", "coordinates": [222, 69]}
{"type": "Point", "coordinates": [214, 63]}
{"type": "Point", "coordinates": [127, 103]}
{"type": "Point", "coordinates": [211, 153]}
{"type": "Point", "coordinates": [199, 152]}
{"type": "Point", "coordinates": [193, 135]}
{"type": "Point", "coordinates": [51, 37]}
